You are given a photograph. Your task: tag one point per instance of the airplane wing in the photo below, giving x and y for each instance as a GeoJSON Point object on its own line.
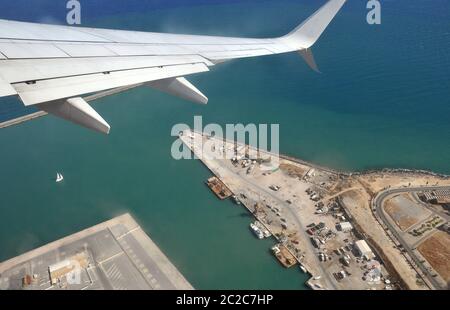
{"type": "Point", "coordinates": [52, 67]}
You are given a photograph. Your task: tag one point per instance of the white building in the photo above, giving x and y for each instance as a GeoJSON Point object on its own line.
{"type": "Point", "coordinates": [363, 249]}
{"type": "Point", "coordinates": [345, 226]}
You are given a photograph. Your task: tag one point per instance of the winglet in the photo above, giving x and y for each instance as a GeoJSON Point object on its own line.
{"type": "Point", "coordinates": [305, 35]}
{"type": "Point", "coordinates": [309, 58]}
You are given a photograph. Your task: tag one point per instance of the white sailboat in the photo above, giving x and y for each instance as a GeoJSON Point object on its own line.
{"type": "Point", "coordinates": [59, 177]}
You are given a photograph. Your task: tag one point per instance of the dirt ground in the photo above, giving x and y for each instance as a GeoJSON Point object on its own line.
{"type": "Point", "coordinates": [293, 170]}
{"type": "Point", "coordinates": [436, 251]}
{"type": "Point", "coordinates": [376, 182]}
{"type": "Point", "coordinates": [405, 212]}
{"type": "Point", "coordinates": [357, 203]}
{"type": "Point", "coordinates": [394, 211]}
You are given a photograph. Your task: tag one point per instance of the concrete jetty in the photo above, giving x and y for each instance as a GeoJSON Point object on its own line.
{"type": "Point", "coordinates": [116, 255]}
{"type": "Point", "coordinates": [251, 197]}
{"type": "Point", "coordinates": [305, 206]}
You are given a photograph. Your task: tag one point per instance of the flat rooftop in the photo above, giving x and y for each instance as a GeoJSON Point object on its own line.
{"type": "Point", "coordinates": [115, 255]}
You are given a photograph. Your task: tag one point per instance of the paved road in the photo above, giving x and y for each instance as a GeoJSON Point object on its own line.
{"type": "Point", "coordinates": [378, 204]}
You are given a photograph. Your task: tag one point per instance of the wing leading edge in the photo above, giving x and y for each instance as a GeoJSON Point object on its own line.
{"type": "Point", "coordinates": [52, 67]}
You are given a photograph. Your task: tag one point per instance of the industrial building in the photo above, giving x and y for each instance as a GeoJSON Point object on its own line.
{"type": "Point", "coordinates": [436, 196]}
{"type": "Point", "coordinates": [345, 226]}
{"type": "Point", "coordinates": [363, 249]}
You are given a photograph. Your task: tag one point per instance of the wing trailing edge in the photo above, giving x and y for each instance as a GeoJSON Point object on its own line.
{"type": "Point", "coordinates": [36, 92]}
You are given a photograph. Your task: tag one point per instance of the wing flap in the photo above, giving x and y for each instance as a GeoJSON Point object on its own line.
{"type": "Point", "coordinates": [85, 50]}
{"type": "Point", "coordinates": [15, 50]}
{"type": "Point", "coordinates": [54, 89]}
{"type": "Point", "coordinates": [24, 70]}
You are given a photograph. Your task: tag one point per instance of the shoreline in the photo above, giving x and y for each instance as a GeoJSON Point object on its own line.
{"type": "Point", "coordinates": [363, 172]}
{"type": "Point", "coordinates": [372, 182]}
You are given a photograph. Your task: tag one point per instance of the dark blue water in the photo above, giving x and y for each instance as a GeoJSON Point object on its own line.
{"type": "Point", "coordinates": [381, 101]}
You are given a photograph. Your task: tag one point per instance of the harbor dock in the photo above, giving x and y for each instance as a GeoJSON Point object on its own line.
{"type": "Point", "coordinates": [115, 255]}
{"type": "Point", "coordinates": [301, 206]}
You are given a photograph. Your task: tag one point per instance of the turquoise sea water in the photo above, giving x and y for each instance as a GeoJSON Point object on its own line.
{"type": "Point", "coordinates": [381, 101]}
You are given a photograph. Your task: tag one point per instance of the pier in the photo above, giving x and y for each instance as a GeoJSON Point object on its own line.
{"type": "Point", "coordinates": [249, 199]}
{"type": "Point", "coordinates": [304, 206]}
{"type": "Point", "coordinates": [116, 254]}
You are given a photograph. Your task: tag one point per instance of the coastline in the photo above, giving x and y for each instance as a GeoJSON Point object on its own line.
{"type": "Point", "coordinates": [358, 177]}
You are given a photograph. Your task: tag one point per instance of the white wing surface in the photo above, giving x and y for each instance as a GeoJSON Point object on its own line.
{"type": "Point", "coordinates": [52, 67]}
